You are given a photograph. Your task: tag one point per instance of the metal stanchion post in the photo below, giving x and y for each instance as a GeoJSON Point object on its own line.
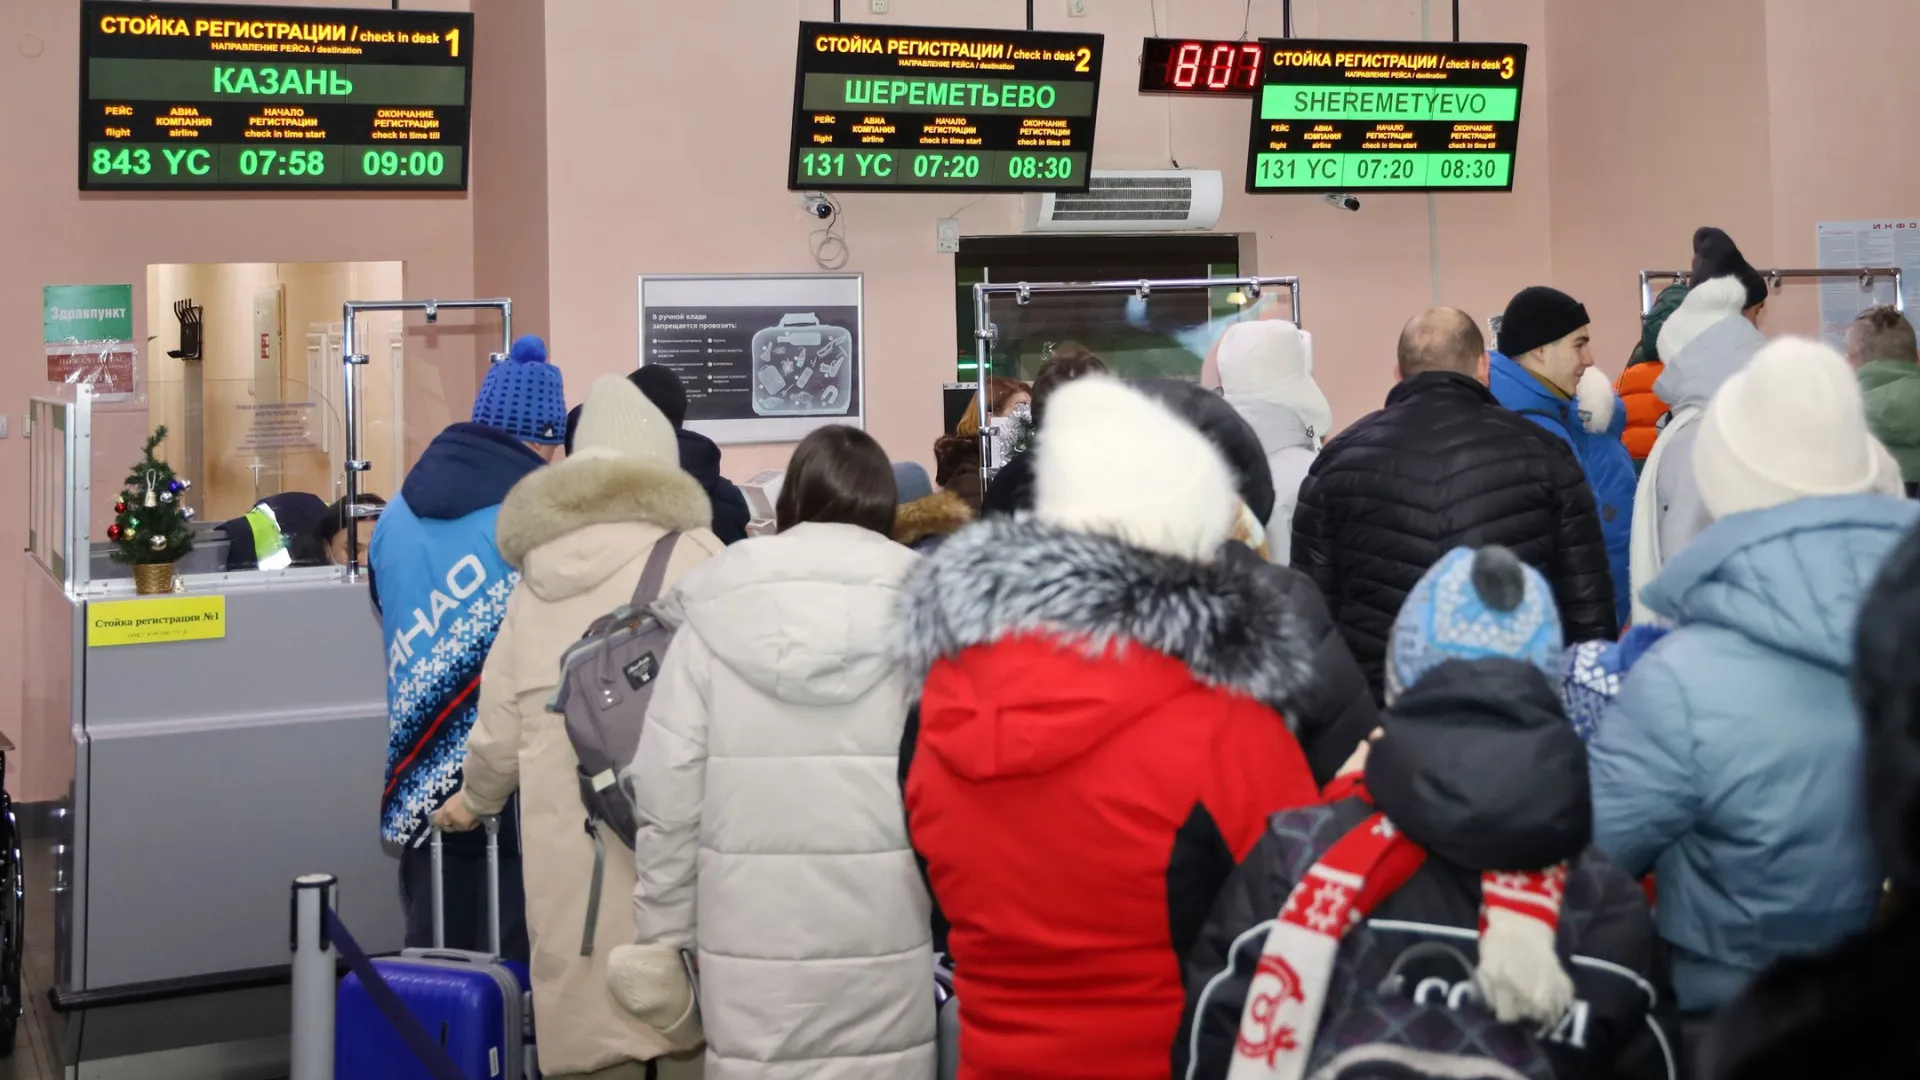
{"type": "Point", "coordinates": [313, 978]}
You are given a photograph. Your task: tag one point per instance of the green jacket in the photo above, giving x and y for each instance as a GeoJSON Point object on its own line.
{"type": "Point", "coordinates": [1892, 389]}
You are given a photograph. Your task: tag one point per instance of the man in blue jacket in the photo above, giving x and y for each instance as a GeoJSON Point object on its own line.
{"type": "Point", "coordinates": [441, 588]}
{"type": "Point", "coordinates": [1544, 371]}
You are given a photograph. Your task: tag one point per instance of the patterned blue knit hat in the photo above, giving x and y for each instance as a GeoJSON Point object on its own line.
{"type": "Point", "coordinates": [1474, 605]}
{"type": "Point", "coordinates": [523, 396]}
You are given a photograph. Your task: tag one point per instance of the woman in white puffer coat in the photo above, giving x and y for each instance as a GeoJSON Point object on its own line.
{"type": "Point", "coordinates": [1266, 374]}
{"type": "Point", "coordinates": [772, 843]}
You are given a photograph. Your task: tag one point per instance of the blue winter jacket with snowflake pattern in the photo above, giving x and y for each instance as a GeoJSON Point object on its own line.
{"type": "Point", "coordinates": [442, 592]}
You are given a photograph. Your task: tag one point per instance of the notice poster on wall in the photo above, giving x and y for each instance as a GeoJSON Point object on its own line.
{"type": "Point", "coordinates": [1847, 244]}
{"type": "Point", "coordinates": [88, 332]}
{"type": "Point", "coordinates": [765, 358]}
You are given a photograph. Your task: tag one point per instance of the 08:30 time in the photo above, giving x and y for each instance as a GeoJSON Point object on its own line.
{"type": "Point", "coordinates": [1040, 167]}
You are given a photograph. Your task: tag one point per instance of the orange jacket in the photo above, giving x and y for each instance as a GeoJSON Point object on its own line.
{"type": "Point", "coordinates": [1644, 407]}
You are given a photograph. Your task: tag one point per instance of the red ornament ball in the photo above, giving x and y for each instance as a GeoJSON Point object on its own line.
{"type": "Point", "coordinates": [120, 507]}
{"type": "Point", "coordinates": [113, 531]}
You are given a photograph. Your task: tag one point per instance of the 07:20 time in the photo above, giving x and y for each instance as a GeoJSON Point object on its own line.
{"type": "Point", "coordinates": [947, 166]}
{"type": "Point", "coordinates": [1383, 168]}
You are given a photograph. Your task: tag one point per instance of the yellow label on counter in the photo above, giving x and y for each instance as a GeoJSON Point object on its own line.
{"type": "Point", "coordinates": [162, 618]}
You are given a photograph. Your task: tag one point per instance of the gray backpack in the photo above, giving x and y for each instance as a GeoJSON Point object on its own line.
{"type": "Point", "coordinates": [606, 681]}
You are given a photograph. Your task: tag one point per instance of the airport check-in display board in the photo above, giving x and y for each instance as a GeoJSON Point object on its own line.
{"type": "Point", "coordinates": [1354, 116]}
{"type": "Point", "coordinates": [905, 108]}
{"type": "Point", "coordinates": [215, 96]}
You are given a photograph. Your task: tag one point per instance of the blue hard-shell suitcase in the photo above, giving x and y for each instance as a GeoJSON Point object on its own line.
{"type": "Point", "coordinates": [473, 1004]}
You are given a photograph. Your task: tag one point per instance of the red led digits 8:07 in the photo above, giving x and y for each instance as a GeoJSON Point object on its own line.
{"type": "Point", "coordinates": [1209, 68]}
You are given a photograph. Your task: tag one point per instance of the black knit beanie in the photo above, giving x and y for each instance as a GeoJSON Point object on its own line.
{"type": "Point", "coordinates": [664, 388]}
{"type": "Point", "coordinates": [1539, 316]}
{"type": "Point", "coordinates": [1715, 255]}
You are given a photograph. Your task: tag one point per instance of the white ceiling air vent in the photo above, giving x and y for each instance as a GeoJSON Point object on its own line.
{"type": "Point", "coordinates": [1122, 201]}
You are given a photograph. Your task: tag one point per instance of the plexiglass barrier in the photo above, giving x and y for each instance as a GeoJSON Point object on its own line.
{"type": "Point", "coordinates": [1152, 329]}
{"type": "Point", "coordinates": [54, 439]}
{"type": "Point", "coordinates": [236, 448]}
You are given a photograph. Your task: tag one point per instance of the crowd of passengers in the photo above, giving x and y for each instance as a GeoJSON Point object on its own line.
{"type": "Point", "coordinates": [1530, 726]}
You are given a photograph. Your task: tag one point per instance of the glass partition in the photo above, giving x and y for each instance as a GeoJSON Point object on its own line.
{"type": "Point", "coordinates": [238, 449]}
{"type": "Point", "coordinates": [244, 451]}
{"type": "Point", "coordinates": [53, 438]}
{"type": "Point", "coordinates": [1104, 324]}
{"type": "Point", "coordinates": [1153, 336]}
{"type": "Point", "coordinates": [1149, 329]}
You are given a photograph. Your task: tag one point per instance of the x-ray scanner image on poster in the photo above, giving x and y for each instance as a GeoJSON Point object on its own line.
{"type": "Point", "coordinates": [764, 358]}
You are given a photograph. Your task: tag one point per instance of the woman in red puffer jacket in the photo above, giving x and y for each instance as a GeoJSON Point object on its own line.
{"type": "Point", "coordinates": [1090, 758]}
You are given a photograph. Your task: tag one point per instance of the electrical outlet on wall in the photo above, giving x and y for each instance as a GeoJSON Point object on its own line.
{"type": "Point", "coordinates": [1077, 9]}
{"type": "Point", "coordinates": [946, 236]}
{"type": "Point", "coordinates": [881, 7]}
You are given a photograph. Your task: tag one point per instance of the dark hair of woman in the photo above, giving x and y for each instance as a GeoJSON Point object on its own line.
{"type": "Point", "coordinates": [957, 467]}
{"type": "Point", "coordinates": [313, 547]}
{"type": "Point", "coordinates": [1000, 394]}
{"type": "Point", "coordinates": [1070, 360]}
{"type": "Point", "coordinates": [839, 475]}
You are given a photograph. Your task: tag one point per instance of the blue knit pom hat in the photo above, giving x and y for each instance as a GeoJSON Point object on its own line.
{"type": "Point", "coordinates": [523, 396]}
{"type": "Point", "coordinates": [1474, 605]}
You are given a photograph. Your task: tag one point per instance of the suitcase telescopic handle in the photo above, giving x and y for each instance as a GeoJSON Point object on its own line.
{"type": "Point", "coordinates": [491, 823]}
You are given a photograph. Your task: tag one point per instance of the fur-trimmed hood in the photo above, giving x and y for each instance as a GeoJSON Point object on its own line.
{"type": "Point", "coordinates": [942, 513]}
{"type": "Point", "coordinates": [593, 490]}
{"type": "Point", "coordinates": [1225, 622]}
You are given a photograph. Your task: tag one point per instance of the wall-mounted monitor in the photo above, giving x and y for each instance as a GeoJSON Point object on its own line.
{"type": "Point", "coordinates": [918, 108]}
{"type": "Point", "coordinates": [1354, 116]}
{"type": "Point", "coordinates": [236, 97]}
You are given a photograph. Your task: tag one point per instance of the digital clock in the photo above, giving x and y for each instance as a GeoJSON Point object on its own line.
{"type": "Point", "coordinates": [1209, 68]}
{"type": "Point", "coordinates": [903, 108]}
{"type": "Point", "coordinates": [1355, 116]}
{"type": "Point", "coordinates": [197, 96]}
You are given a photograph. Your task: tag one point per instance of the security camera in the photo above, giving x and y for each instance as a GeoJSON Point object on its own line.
{"type": "Point", "coordinates": [1342, 201]}
{"type": "Point", "coordinates": [818, 204]}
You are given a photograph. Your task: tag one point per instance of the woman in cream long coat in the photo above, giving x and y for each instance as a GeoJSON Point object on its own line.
{"type": "Point", "coordinates": [771, 826]}
{"type": "Point", "coordinates": [579, 533]}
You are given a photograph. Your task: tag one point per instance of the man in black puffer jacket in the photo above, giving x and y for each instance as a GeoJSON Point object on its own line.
{"type": "Point", "coordinates": [1441, 466]}
{"type": "Point", "coordinates": [1334, 711]}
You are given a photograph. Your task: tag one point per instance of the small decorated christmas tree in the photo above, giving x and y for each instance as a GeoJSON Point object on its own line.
{"type": "Point", "coordinates": [151, 527]}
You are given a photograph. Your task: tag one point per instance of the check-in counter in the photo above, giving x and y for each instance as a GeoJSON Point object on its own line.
{"type": "Point", "coordinates": [217, 741]}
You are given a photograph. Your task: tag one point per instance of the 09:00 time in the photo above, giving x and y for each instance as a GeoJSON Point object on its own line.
{"type": "Point", "coordinates": [394, 163]}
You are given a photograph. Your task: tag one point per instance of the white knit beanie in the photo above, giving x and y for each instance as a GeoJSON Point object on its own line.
{"type": "Point", "coordinates": [1789, 425]}
{"type": "Point", "coordinates": [1272, 360]}
{"type": "Point", "coordinates": [1113, 461]}
{"type": "Point", "coordinates": [619, 422]}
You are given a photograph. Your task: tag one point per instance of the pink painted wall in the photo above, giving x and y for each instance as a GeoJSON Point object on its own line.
{"type": "Point", "coordinates": [509, 177]}
{"type": "Point", "coordinates": [57, 235]}
{"type": "Point", "coordinates": [640, 183]}
{"type": "Point", "coordinates": [1840, 106]}
{"type": "Point", "coordinates": [1658, 123]}
{"type": "Point", "coordinates": [1643, 119]}
{"type": "Point", "coordinates": [1763, 118]}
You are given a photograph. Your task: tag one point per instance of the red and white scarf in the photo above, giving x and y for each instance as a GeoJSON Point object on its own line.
{"type": "Point", "coordinates": [1519, 972]}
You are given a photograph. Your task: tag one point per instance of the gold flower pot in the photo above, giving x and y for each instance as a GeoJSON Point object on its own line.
{"type": "Point", "coordinates": [152, 579]}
